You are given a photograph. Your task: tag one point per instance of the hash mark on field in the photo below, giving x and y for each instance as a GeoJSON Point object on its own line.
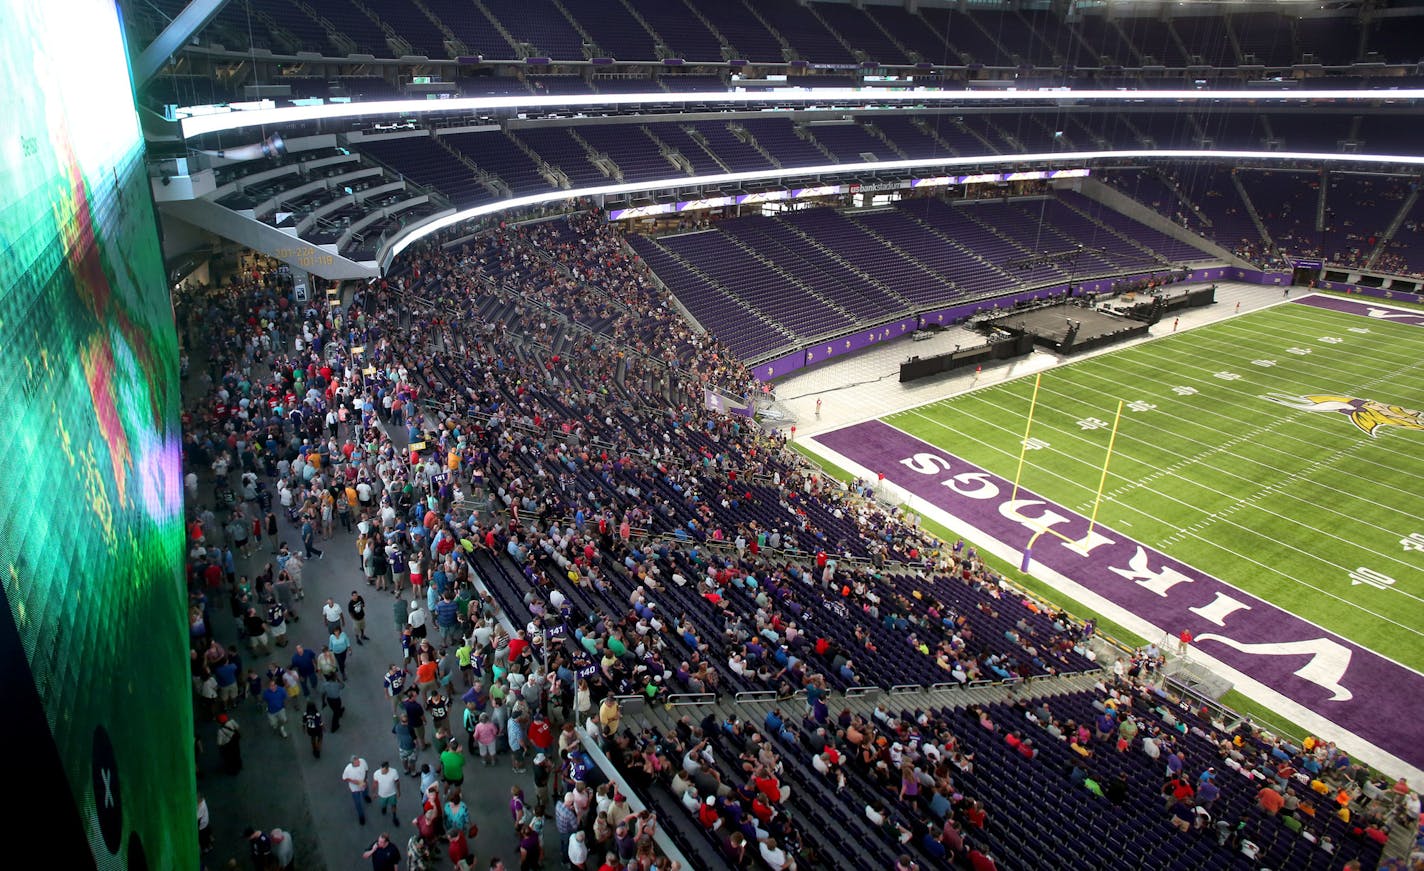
{"type": "Point", "coordinates": [1266, 490]}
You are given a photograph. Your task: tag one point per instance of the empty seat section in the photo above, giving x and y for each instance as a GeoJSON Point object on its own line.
{"type": "Point", "coordinates": [891, 266]}
{"type": "Point", "coordinates": [714, 308]}
{"type": "Point", "coordinates": [1264, 37]}
{"type": "Point", "coordinates": [540, 24]}
{"type": "Point", "coordinates": [629, 147]}
{"type": "Point", "coordinates": [806, 33]}
{"type": "Point", "coordinates": [557, 146]}
{"type": "Point", "coordinates": [673, 136]}
{"type": "Point", "coordinates": [851, 143]}
{"type": "Point", "coordinates": [412, 25]}
{"type": "Point", "coordinates": [423, 160]}
{"type": "Point", "coordinates": [918, 36]}
{"type": "Point", "coordinates": [777, 136]}
{"type": "Point", "coordinates": [760, 285]}
{"type": "Point", "coordinates": [472, 28]}
{"type": "Point", "coordinates": [737, 155]}
{"type": "Point", "coordinates": [614, 29]}
{"type": "Point", "coordinates": [860, 27]}
{"type": "Point", "coordinates": [495, 153]}
{"type": "Point", "coordinates": [746, 34]}
{"type": "Point", "coordinates": [349, 21]}
{"type": "Point", "coordinates": [682, 33]}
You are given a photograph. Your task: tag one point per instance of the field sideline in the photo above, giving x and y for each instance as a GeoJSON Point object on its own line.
{"type": "Point", "coordinates": [1220, 460]}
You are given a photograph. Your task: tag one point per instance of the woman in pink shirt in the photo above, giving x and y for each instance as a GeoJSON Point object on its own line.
{"type": "Point", "coordinates": [485, 736]}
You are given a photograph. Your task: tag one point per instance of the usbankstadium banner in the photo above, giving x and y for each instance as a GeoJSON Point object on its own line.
{"type": "Point", "coordinates": [93, 629]}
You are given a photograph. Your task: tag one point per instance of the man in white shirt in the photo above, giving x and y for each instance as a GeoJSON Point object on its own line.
{"type": "Point", "coordinates": [354, 775]}
{"type": "Point", "coordinates": [284, 849]}
{"type": "Point", "coordinates": [387, 781]}
{"type": "Point", "coordinates": [1149, 746]}
{"type": "Point", "coordinates": [775, 857]}
{"type": "Point", "coordinates": [578, 850]}
{"type": "Point", "coordinates": [335, 618]}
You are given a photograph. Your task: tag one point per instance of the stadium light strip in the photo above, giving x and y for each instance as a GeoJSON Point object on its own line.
{"type": "Point", "coordinates": [198, 120]}
{"type": "Point", "coordinates": [840, 168]}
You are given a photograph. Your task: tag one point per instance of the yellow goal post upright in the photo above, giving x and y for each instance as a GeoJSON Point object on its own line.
{"type": "Point", "coordinates": [1102, 481]}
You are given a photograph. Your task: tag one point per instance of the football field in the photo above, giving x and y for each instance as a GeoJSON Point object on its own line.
{"type": "Point", "coordinates": [1281, 451]}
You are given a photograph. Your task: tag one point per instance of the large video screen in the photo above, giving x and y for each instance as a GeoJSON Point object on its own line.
{"type": "Point", "coordinates": [93, 632]}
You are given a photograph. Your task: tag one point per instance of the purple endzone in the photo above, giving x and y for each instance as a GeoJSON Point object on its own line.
{"type": "Point", "coordinates": [1380, 707]}
{"type": "Point", "coordinates": [1363, 309]}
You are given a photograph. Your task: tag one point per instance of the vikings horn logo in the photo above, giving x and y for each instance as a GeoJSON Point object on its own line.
{"type": "Point", "coordinates": [1367, 414]}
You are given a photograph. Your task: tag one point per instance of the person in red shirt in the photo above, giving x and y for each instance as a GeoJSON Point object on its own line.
{"type": "Point", "coordinates": [981, 861]}
{"type": "Point", "coordinates": [517, 646]}
{"type": "Point", "coordinates": [760, 810]}
{"type": "Point", "coordinates": [540, 735]}
{"type": "Point", "coordinates": [951, 837]}
{"type": "Point", "coordinates": [767, 784]}
{"type": "Point", "coordinates": [707, 814]}
{"type": "Point", "coordinates": [975, 815]}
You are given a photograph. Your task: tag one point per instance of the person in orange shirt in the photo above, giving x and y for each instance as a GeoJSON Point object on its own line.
{"type": "Point", "coordinates": [426, 674]}
{"type": "Point", "coordinates": [1270, 801]}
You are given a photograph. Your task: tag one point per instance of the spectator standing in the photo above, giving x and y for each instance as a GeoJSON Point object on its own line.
{"type": "Point", "coordinates": [309, 543]}
{"type": "Point", "coordinates": [205, 827]}
{"type": "Point", "coordinates": [395, 688]}
{"type": "Point", "coordinates": [331, 697]}
{"type": "Point", "coordinates": [405, 743]}
{"type": "Point", "coordinates": [230, 743]}
{"type": "Point", "coordinates": [315, 729]}
{"type": "Point", "coordinates": [383, 854]}
{"type": "Point", "coordinates": [486, 734]}
{"type": "Point", "coordinates": [354, 775]}
{"type": "Point", "coordinates": [339, 643]}
{"type": "Point", "coordinates": [275, 698]}
{"type": "Point", "coordinates": [388, 789]}
{"type": "Point", "coordinates": [452, 763]}
{"type": "Point", "coordinates": [335, 617]}
{"type": "Point", "coordinates": [357, 609]}
{"type": "Point", "coordinates": [304, 661]}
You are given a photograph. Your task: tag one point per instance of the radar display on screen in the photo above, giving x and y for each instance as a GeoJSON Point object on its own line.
{"type": "Point", "coordinates": [93, 631]}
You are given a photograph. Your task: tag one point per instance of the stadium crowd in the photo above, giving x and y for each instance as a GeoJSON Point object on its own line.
{"type": "Point", "coordinates": [513, 432]}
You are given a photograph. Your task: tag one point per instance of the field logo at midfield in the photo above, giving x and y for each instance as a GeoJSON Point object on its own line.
{"type": "Point", "coordinates": [1367, 414]}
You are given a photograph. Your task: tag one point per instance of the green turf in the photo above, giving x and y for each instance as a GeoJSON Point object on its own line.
{"type": "Point", "coordinates": [829, 468]}
{"type": "Point", "coordinates": [1284, 503]}
{"type": "Point", "coordinates": [1261, 715]}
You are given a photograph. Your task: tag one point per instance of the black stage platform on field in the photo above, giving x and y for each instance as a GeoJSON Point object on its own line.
{"type": "Point", "coordinates": [1002, 348]}
{"type": "Point", "coordinates": [1070, 329]}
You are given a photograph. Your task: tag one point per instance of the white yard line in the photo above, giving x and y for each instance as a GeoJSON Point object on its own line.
{"type": "Point", "coordinates": [1199, 459]}
{"type": "Point", "coordinates": [1194, 530]}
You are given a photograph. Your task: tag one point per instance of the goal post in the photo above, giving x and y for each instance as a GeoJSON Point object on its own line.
{"type": "Point", "coordinates": [1027, 560]}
